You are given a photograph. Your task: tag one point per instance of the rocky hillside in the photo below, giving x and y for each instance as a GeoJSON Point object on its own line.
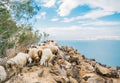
{"type": "Point", "coordinates": [67, 66]}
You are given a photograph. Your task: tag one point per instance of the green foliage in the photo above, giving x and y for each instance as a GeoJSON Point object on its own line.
{"type": "Point", "coordinates": [12, 35]}
{"type": "Point", "coordinates": [10, 45]}
{"type": "Point", "coordinates": [24, 10]}
{"type": "Point", "coordinates": [45, 35]}
{"type": "Point", "coordinates": [27, 37]}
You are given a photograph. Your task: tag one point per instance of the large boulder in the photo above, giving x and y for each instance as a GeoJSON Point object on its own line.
{"type": "Point", "coordinates": [87, 67]}
{"type": "Point", "coordinates": [116, 80]}
{"type": "Point", "coordinates": [102, 70]}
{"type": "Point", "coordinates": [96, 80]}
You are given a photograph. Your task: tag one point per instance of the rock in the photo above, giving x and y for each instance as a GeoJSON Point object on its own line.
{"type": "Point", "coordinates": [61, 79]}
{"type": "Point", "coordinates": [67, 57]}
{"type": "Point", "coordinates": [116, 80]}
{"type": "Point", "coordinates": [74, 59]}
{"type": "Point", "coordinates": [82, 73]}
{"type": "Point", "coordinates": [118, 67]}
{"type": "Point", "coordinates": [83, 81]}
{"type": "Point", "coordinates": [96, 80]}
{"type": "Point", "coordinates": [87, 67]}
{"type": "Point", "coordinates": [72, 80]}
{"type": "Point", "coordinates": [75, 72]}
{"type": "Point", "coordinates": [40, 72]}
{"type": "Point", "coordinates": [109, 72]}
{"type": "Point", "coordinates": [118, 73]}
{"type": "Point", "coordinates": [108, 80]}
{"type": "Point", "coordinates": [90, 75]}
{"type": "Point", "coordinates": [102, 70]}
{"type": "Point", "coordinates": [57, 70]}
{"type": "Point", "coordinates": [64, 63]}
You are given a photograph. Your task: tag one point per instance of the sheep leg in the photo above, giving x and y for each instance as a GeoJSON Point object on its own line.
{"type": "Point", "coordinates": [15, 70]}
{"type": "Point", "coordinates": [46, 63]}
{"type": "Point", "coordinates": [49, 61]}
{"type": "Point", "coordinates": [42, 62]}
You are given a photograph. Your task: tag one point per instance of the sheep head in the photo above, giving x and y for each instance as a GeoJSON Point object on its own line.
{"type": "Point", "coordinates": [11, 65]}
{"type": "Point", "coordinates": [36, 58]}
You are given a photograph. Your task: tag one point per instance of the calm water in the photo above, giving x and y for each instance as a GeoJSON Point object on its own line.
{"type": "Point", "coordinates": [104, 51]}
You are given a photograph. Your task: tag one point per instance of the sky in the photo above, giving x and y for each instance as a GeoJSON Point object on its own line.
{"type": "Point", "coordinates": [79, 19]}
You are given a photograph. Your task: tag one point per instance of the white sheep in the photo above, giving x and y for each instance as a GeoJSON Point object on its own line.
{"type": "Point", "coordinates": [54, 49]}
{"type": "Point", "coordinates": [3, 74]}
{"type": "Point", "coordinates": [47, 56]}
{"type": "Point", "coordinates": [18, 62]}
{"type": "Point", "coordinates": [51, 42]}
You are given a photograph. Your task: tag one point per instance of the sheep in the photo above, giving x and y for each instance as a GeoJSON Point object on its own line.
{"type": "Point", "coordinates": [47, 56]}
{"type": "Point", "coordinates": [18, 62]}
{"type": "Point", "coordinates": [54, 49]}
{"type": "Point", "coordinates": [41, 44]}
{"type": "Point", "coordinates": [3, 74]}
{"type": "Point", "coordinates": [34, 53]}
{"type": "Point", "coordinates": [51, 42]}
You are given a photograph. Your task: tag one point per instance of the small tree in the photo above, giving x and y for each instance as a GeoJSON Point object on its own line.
{"type": "Point", "coordinates": [45, 36]}
{"type": "Point", "coordinates": [11, 35]}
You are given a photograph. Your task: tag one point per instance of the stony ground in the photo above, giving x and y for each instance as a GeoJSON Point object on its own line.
{"type": "Point", "coordinates": [68, 66]}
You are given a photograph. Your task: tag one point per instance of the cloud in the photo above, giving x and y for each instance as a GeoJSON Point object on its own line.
{"type": "Point", "coordinates": [69, 19]}
{"type": "Point", "coordinates": [91, 22]}
{"type": "Point", "coordinates": [99, 8]}
{"type": "Point", "coordinates": [99, 23]}
{"type": "Point", "coordinates": [66, 7]}
{"type": "Point", "coordinates": [48, 3]}
{"type": "Point", "coordinates": [88, 27]}
{"type": "Point", "coordinates": [96, 14]}
{"type": "Point", "coordinates": [54, 19]}
{"type": "Point", "coordinates": [41, 15]}
{"type": "Point", "coordinates": [111, 5]}
{"type": "Point", "coordinates": [107, 7]}
{"type": "Point", "coordinates": [80, 33]}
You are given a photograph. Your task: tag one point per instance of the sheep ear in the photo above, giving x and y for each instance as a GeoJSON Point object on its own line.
{"type": "Point", "coordinates": [43, 44]}
{"type": "Point", "coordinates": [26, 50]}
{"type": "Point", "coordinates": [40, 52]}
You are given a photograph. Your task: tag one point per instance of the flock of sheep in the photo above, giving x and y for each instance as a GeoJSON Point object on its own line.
{"type": "Point", "coordinates": [42, 54]}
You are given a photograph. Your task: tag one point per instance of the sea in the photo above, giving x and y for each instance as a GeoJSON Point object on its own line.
{"type": "Point", "coordinates": [104, 51]}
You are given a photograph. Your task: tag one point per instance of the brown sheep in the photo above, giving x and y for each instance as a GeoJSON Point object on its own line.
{"type": "Point", "coordinates": [34, 53]}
